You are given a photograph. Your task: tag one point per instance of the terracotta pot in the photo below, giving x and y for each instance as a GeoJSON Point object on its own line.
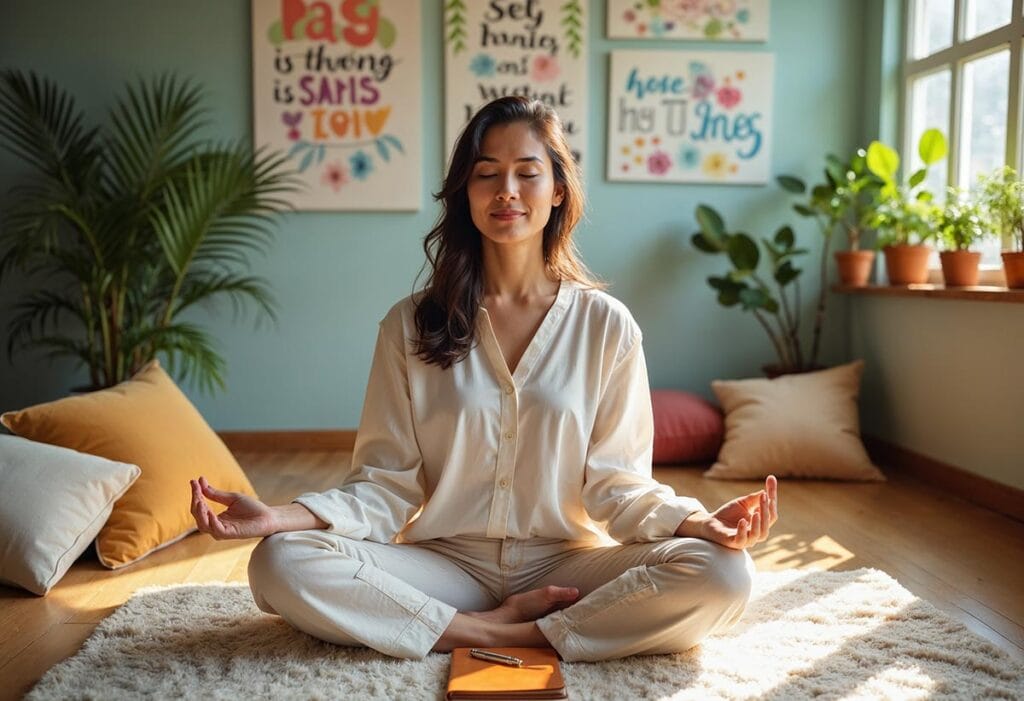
{"type": "Point", "coordinates": [854, 267]}
{"type": "Point", "coordinates": [960, 268]}
{"type": "Point", "coordinates": [906, 264]}
{"type": "Point", "coordinates": [1013, 266]}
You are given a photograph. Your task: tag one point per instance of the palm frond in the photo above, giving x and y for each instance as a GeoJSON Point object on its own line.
{"type": "Point", "coordinates": [60, 347]}
{"type": "Point", "coordinates": [38, 311]}
{"type": "Point", "coordinates": [152, 132]}
{"type": "Point", "coordinates": [240, 289]}
{"type": "Point", "coordinates": [187, 350]}
{"type": "Point", "coordinates": [42, 124]}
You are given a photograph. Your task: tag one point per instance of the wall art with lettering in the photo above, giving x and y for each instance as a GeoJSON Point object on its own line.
{"type": "Point", "coordinates": [682, 116]}
{"type": "Point", "coordinates": [717, 20]}
{"type": "Point", "coordinates": [516, 47]}
{"type": "Point", "coordinates": [336, 86]}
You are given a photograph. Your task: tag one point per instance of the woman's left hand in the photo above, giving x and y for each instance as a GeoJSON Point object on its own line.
{"type": "Point", "coordinates": [741, 523]}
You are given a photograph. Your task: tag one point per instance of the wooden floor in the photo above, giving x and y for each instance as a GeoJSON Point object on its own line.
{"type": "Point", "coordinates": [965, 560]}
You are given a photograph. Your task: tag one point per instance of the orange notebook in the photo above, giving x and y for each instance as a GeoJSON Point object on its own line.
{"type": "Point", "coordinates": [540, 677]}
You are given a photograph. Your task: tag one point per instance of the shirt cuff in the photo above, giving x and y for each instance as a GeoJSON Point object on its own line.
{"type": "Point", "coordinates": [663, 521]}
{"type": "Point", "coordinates": [323, 508]}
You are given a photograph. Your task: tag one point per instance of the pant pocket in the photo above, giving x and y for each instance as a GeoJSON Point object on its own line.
{"type": "Point", "coordinates": [405, 595]}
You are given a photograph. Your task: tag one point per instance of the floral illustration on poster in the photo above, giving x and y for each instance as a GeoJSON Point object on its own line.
{"type": "Point", "coordinates": [718, 20]}
{"type": "Point", "coordinates": [535, 48]}
{"type": "Point", "coordinates": [679, 116]}
{"type": "Point", "coordinates": [336, 87]}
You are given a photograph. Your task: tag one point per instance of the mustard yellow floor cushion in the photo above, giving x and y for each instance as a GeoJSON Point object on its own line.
{"type": "Point", "coordinates": [145, 421]}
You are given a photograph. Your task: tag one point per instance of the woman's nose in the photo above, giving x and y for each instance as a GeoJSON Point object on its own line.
{"type": "Point", "coordinates": [507, 189]}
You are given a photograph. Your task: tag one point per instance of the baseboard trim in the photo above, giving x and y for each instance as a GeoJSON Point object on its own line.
{"type": "Point", "coordinates": [287, 441]}
{"type": "Point", "coordinates": [976, 489]}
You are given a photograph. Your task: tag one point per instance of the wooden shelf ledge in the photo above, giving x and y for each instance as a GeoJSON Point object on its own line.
{"type": "Point", "coordinates": [977, 294]}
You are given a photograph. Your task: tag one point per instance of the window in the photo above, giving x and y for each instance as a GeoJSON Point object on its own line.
{"type": "Point", "coordinates": [963, 76]}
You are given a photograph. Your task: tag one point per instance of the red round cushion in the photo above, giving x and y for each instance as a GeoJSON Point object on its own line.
{"type": "Point", "coordinates": [687, 428]}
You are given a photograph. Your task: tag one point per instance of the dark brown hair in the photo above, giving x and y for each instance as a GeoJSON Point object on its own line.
{"type": "Point", "coordinates": [447, 307]}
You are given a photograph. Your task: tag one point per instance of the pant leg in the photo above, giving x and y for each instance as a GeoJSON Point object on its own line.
{"type": "Point", "coordinates": [645, 598]}
{"type": "Point", "coordinates": [395, 598]}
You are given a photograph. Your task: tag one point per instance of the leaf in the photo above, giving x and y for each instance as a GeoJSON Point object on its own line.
{"type": "Point", "coordinates": [710, 222]}
{"type": "Point", "coordinates": [932, 147]}
{"type": "Point", "coordinates": [386, 33]}
{"type": "Point", "coordinates": [394, 142]}
{"type": "Point", "coordinates": [835, 168]}
{"type": "Point", "coordinates": [791, 184]}
{"type": "Point", "coordinates": [803, 210]}
{"type": "Point", "coordinates": [918, 177]}
{"type": "Point", "coordinates": [786, 273]}
{"type": "Point", "coordinates": [753, 298]}
{"type": "Point", "coordinates": [728, 291]}
{"type": "Point", "coordinates": [382, 149]}
{"type": "Point", "coordinates": [702, 243]}
{"type": "Point", "coordinates": [883, 161]}
{"type": "Point", "coordinates": [321, 151]}
{"type": "Point", "coordinates": [743, 252]}
{"type": "Point", "coordinates": [296, 147]}
{"type": "Point", "coordinates": [307, 160]}
{"type": "Point", "coordinates": [784, 237]}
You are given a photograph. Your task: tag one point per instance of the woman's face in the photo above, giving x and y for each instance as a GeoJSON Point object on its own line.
{"type": "Point", "coordinates": [512, 186]}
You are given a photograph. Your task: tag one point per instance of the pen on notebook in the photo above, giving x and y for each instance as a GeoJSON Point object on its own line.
{"type": "Point", "coordinates": [495, 657]}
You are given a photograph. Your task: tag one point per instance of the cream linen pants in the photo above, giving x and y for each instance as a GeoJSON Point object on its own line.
{"type": "Point", "coordinates": [636, 599]}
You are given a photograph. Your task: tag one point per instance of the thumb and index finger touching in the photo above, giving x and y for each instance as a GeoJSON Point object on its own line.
{"type": "Point", "coordinates": [216, 495]}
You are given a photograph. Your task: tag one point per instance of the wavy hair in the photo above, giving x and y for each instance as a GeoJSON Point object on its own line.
{"type": "Point", "coordinates": [447, 307]}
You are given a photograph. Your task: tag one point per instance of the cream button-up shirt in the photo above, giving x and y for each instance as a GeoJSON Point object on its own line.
{"type": "Point", "coordinates": [560, 448]}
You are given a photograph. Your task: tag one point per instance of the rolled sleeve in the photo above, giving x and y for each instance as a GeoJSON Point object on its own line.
{"type": "Point", "coordinates": [384, 487]}
{"type": "Point", "coordinates": [619, 491]}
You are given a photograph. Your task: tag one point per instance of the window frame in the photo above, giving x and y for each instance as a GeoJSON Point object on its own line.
{"type": "Point", "coordinates": [954, 58]}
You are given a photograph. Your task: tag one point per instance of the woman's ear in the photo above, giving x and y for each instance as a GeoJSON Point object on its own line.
{"type": "Point", "coordinates": [559, 195]}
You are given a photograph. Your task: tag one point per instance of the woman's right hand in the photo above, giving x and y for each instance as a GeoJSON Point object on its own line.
{"type": "Point", "coordinates": [245, 517]}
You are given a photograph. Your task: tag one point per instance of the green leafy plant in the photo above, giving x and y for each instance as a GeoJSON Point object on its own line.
{"type": "Point", "coordinates": [842, 200]}
{"type": "Point", "coordinates": [125, 228]}
{"type": "Point", "coordinates": [774, 301]}
{"type": "Point", "coordinates": [961, 221]}
{"type": "Point", "coordinates": [904, 214]}
{"type": "Point", "coordinates": [1002, 196]}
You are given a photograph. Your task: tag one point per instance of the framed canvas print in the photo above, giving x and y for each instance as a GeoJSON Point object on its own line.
{"type": "Point", "coordinates": [703, 20]}
{"type": "Point", "coordinates": [684, 116]}
{"type": "Point", "coordinates": [535, 48]}
{"type": "Point", "coordinates": [336, 87]}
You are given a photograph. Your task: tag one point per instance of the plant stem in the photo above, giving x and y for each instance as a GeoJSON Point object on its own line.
{"type": "Point", "coordinates": [779, 347]}
{"type": "Point", "coordinates": [819, 316]}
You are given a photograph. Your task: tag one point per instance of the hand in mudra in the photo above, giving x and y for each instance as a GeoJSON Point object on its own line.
{"type": "Point", "coordinates": [245, 516]}
{"type": "Point", "coordinates": [741, 523]}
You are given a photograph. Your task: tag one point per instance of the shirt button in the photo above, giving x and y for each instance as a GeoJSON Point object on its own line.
{"type": "Point", "coordinates": [509, 436]}
{"type": "Point", "coordinates": [509, 390]}
{"type": "Point", "coordinates": [503, 484]}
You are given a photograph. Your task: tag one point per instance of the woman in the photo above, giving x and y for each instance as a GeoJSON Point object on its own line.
{"type": "Point", "coordinates": [506, 432]}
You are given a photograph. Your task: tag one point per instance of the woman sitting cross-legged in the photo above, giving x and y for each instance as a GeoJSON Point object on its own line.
{"type": "Point", "coordinates": [506, 433]}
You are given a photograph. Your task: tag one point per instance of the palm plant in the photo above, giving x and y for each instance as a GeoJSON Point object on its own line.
{"type": "Point", "coordinates": [125, 229]}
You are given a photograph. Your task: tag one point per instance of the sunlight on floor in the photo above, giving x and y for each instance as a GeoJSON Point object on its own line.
{"type": "Point", "coordinates": [787, 551]}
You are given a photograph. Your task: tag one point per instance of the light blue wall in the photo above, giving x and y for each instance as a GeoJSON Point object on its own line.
{"type": "Point", "coordinates": [335, 275]}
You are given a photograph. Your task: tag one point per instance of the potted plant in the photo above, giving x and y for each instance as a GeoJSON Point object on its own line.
{"type": "Point", "coordinates": [1002, 194]}
{"type": "Point", "coordinates": [905, 215]}
{"type": "Point", "coordinates": [961, 224]}
{"type": "Point", "coordinates": [125, 228]}
{"type": "Point", "coordinates": [841, 202]}
{"type": "Point", "coordinates": [775, 303]}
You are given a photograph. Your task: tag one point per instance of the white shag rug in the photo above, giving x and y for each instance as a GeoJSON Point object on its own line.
{"type": "Point", "coordinates": [822, 635]}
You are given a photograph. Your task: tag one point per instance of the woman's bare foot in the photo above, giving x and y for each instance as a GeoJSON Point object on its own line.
{"type": "Point", "coordinates": [529, 605]}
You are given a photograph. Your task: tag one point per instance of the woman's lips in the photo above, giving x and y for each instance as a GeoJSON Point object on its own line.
{"type": "Point", "coordinates": [507, 216]}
